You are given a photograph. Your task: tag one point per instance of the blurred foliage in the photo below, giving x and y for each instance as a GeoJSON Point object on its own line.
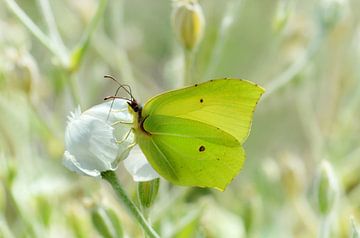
{"type": "Point", "coordinates": [53, 56]}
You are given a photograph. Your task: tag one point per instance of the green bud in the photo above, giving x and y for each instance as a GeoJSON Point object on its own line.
{"type": "Point", "coordinates": [76, 222]}
{"type": "Point", "coordinates": [147, 192]}
{"type": "Point", "coordinates": [292, 174]}
{"type": "Point", "coordinates": [326, 189]}
{"type": "Point", "coordinates": [44, 210]}
{"type": "Point", "coordinates": [11, 173]}
{"type": "Point", "coordinates": [251, 213]}
{"type": "Point", "coordinates": [188, 23]}
{"type": "Point", "coordinates": [19, 70]}
{"type": "Point", "coordinates": [283, 11]}
{"type": "Point", "coordinates": [107, 223]}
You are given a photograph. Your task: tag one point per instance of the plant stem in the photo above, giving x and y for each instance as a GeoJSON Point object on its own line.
{"type": "Point", "coordinates": [188, 63]}
{"type": "Point", "coordinates": [51, 25]}
{"type": "Point", "coordinates": [110, 176]}
{"type": "Point", "coordinates": [325, 227]}
{"type": "Point", "coordinates": [71, 79]}
{"type": "Point", "coordinates": [34, 29]}
{"type": "Point", "coordinates": [93, 24]}
{"type": "Point", "coordinates": [232, 13]}
{"type": "Point", "coordinates": [289, 74]}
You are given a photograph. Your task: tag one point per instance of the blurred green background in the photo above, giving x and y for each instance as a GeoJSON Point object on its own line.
{"type": "Point", "coordinates": [306, 54]}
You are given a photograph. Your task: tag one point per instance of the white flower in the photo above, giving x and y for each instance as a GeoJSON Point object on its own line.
{"type": "Point", "coordinates": [97, 139]}
{"type": "Point", "coordinates": [137, 165]}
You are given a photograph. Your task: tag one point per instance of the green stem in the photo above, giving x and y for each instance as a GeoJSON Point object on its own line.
{"type": "Point", "coordinates": [110, 176]}
{"type": "Point", "coordinates": [51, 25]}
{"type": "Point", "coordinates": [71, 79]}
{"type": "Point", "coordinates": [289, 74]}
{"type": "Point", "coordinates": [44, 39]}
{"type": "Point", "coordinates": [325, 227]}
{"type": "Point", "coordinates": [188, 63]}
{"type": "Point", "coordinates": [93, 24]}
{"type": "Point", "coordinates": [232, 13]}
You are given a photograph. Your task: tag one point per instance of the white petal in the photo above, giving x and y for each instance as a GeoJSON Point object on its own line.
{"type": "Point", "coordinates": [111, 111]}
{"type": "Point", "coordinates": [70, 162]}
{"type": "Point", "coordinates": [137, 165]}
{"type": "Point", "coordinates": [96, 140]}
{"type": "Point", "coordinates": [84, 139]}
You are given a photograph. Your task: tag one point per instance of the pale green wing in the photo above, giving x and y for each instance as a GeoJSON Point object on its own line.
{"type": "Point", "coordinates": [224, 103]}
{"type": "Point", "coordinates": [190, 153]}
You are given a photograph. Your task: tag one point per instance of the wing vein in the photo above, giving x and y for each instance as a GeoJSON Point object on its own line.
{"type": "Point", "coordinates": [166, 159]}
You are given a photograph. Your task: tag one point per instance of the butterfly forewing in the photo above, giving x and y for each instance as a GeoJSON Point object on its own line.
{"type": "Point", "coordinates": [227, 104]}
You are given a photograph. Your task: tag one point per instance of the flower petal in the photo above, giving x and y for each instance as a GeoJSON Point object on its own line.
{"type": "Point", "coordinates": [137, 165]}
{"type": "Point", "coordinates": [111, 111]}
{"type": "Point", "coordinates": [70, 163]}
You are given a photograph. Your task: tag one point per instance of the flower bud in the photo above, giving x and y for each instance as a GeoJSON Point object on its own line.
{"type": "Point", "coordinates": [252, 212]}
{"type": "Point", "coordinates": [188, 23]}
{"type": "Point", "coordinates": [293, 174]}
{"type": "Point", "coordinates": [44, 210]}
{"type": "Point", "coordinates": [326, 188]}
{"type": "Point", "coordinates": [147, 192]}
{"type": "Point", "coordinates": [106, 222]}
{"type": "Point", "coordinates": [19, 70]}
{"type": "Point", "coordinates": [283, 11]}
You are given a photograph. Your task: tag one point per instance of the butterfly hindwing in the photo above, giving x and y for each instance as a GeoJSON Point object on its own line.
{"type": "Point", "coordinates": [191, 153]}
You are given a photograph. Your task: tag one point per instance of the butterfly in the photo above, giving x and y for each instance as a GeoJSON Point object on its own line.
{"type": "Point", "coordinates": [193, 136]}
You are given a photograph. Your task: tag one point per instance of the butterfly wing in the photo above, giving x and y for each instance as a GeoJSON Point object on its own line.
{"type": "Point", "coordinates": [227, 104]}
{"type": "Point", "coordinates": [191, 153]}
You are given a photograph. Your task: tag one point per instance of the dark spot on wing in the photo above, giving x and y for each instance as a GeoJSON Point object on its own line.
{"type": "Point", "coordinates": [196, 85]}
{"type": "Point", "coordinates": [201, 100]}
{"type": "Point", "coordinates": [217, 159]}
{"type": "Point", "coordinates": [201, 148]}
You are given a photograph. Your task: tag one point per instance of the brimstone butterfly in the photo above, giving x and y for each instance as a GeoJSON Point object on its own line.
{"type": "Point", "coordinates": [193, 136]}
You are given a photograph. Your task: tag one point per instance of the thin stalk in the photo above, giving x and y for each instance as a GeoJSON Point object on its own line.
{"type": "Point", "coordinates": [188, 67]}
{"type": "Point", "coordinates": [232, 13]}
{"type": "Point", "coordinates": [110, 176]}
{"type": "Point", "coordinates": [93, 24]}
{"type": "Point", "coordinates": [43, 38]}
{"type": "Point", "coordinates": [324, 227]}
{"type": "Point", "coordinates": [51, 25]}
{"type": "Point", "coordinates": [289, 74]}
{"type": "Point", "coordinates": [72, 82]}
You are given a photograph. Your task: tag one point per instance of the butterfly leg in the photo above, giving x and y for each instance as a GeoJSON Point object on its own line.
{"type": "Point", "coordinates": [122, 122]}
{"type": "Point", "coordinates": [124, 138]}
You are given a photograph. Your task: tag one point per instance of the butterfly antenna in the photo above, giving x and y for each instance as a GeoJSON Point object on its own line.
{"type": "Point", "coordinates": [126, 88]}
